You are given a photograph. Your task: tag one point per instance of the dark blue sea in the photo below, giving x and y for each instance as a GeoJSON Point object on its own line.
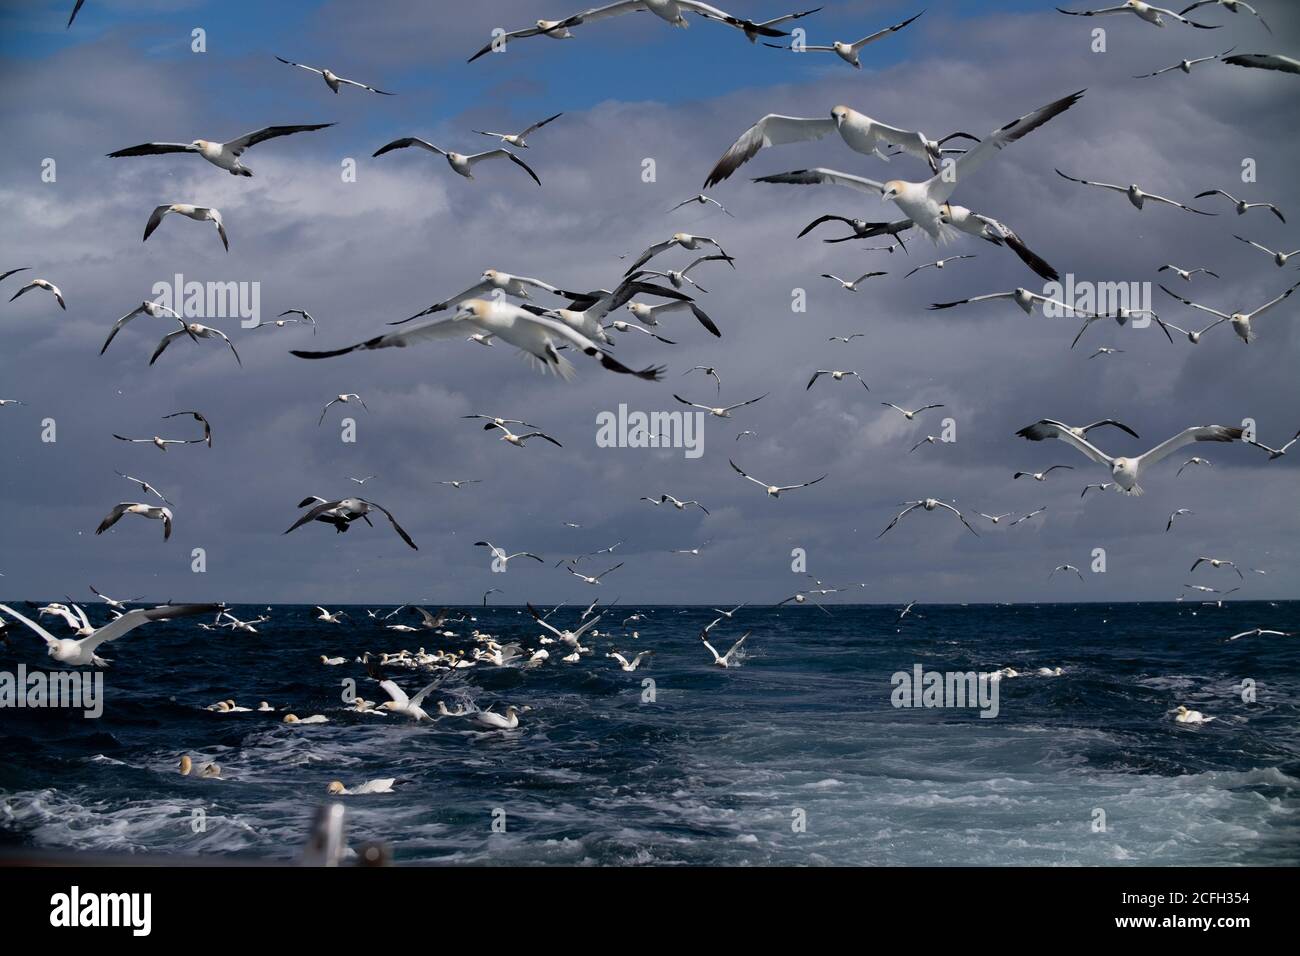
{"type": "Point", "coordinates": [796, 756]}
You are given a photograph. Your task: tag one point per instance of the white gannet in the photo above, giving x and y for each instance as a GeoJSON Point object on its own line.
{"type": "Point", "coordinates": [1240, 204]}
{"type": "Point", "coordinates": [1041, 475]}
{"type": "Point", "coordinates": [725, 660]}
{"type": "Point", "coordinates": [210, 771]}
{"type": "Point", "coordinates": [196, 331]}
{"type": "Point", "coordinates": [1186, 66]}
{"type": "Point", "coordinates": [112, 603]}
{"type": "Point", "coordinates": [1031, 514]}
{"type": "Point", "coordinates": [836, 375]}
{"type": "Point", "coordinates": [82, 651]}
{"type": "Point", "coordinates": [332, 80]}
{"type": "Point", "coordinates": [499, 554]}
{"type": "Point", "coordinates": [519, 441]}
{"type": "Point", "coordinates": [1050, 671]}
{"type": "Point", "coordinates": [683, 239]}
{"type": "Point", "coordinates": [677, 276]}
{"type": "Point", "coordinates": [535, 335]}
{"type": "Point", "coordinates": [517, 139]}
{"type": "Point", "coordinates": [494, 282]}
{"type": "Point", "coordinates": [1232, 6]}
{"type": "Point", "coordinates": [675, 502]}
{"type": "Point", "coordinates": [303, 315]}
{"type": "Point", "coordinates": [1279, 258]}
{"type": "Point", "coordinates": [1125, 471]}
{"type": "Point", "coordinates": [848, 52]}
{"type": "Point", "coordinates": [313, 719]}
{"type": "Point", "coordinates": [1136, 195]}
{"type": "Point", "coordinates": [1022, 297]}
{"type": "Point", "coordinates": [594, 578]}
{"type": "Point", "coordinates": [1177, 514]}
{"type": "Point", "coordinates": [381, 785]}
{"type": "Point", "coordinates": [570, 638]}
{"type": "Point", "coordinates": [1065, 567]}
{"type": "Point", "coordinates": [702, 200]}
{"type": "Point", "coordinates": [344, 397]}
{"type": "Point", "coordinates": [159, 442]}
{"type": "Point", "coordinates": [1240, 321]}
{"type": "Point", "coordinates": [1275, 453]}
{"type": "Point", "coordinates": [74, 616]}
{"type": "Point", "coordinates": [330, 618]}
{"type": "Point", "coordinates": [627, 665]}
{"type": "Point", "coordinates": [362, 481]}
{"type": "Point", "coordinates": [923, 202]}
{"type": "Point", "coordinates": [147, 489]}
{"type": "Point", "coordinates": [346, 510]}
{"type": "Point", "coordinates": [927, 440]}
{"type": "Point", "coordinates": [996, 518]}
{"type": "Point", "coordinates": [462, 163]}
{"type": "Point", "coordinates": [198, 417]}
{"type": "Point", "coordinates": [1194, 460]}
{"type": "Point", "coordinates": [909, 415]}
{"type": "Point", "coordinates": [1186, 274]}
{"type": "Point", "coordinates": [773, 491]}
{"type": "Point", "coordinates": [1186, 716]}
{"type": "Point", "coordinates": [1261, 631]}
{"type": "Point", "coordinates": [197, 213]}
{"type": "Point", "coordinates": [48, 286]}
{"type": "Point", "coordinates": [847, 338]}
{"type": "Point", "coordinates": [852, 286]}
{"type": "Point", "coordinates": [1099, 485]}
{"type": "Point", "coordinates": [722, 411]}
{"type": "Point", "coordinates": [1265, 61]}
{"type": "Point", "coordinates": [1217, 563]}
{"type": "Point", "coordinates": [163, 514]}
{"type": "Point", "coordinates": [929, 504]}
{"type": "Point", "coordinates": [649, 314]}
{"type": "Point", "coordinates": [938, 263]}
{"type": "Point", "coordinates": [555, 29]}
{"type": "Point", "coordinates": [151, 309]}
{"type": "Point", "coordinates": [1144, 11]}
{"type": "Point", "coordinates": [493, 721]}
{"type": "Point", "coordinates": [222, 155]}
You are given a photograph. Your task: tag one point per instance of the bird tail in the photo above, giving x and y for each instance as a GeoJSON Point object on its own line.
{"type": "Point", "coordinates": [1134, 492]}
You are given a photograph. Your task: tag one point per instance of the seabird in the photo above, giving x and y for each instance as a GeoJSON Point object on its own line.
{"type": "Point", "coordinates": [593, 578]}
{"type": "Point", "coordinates": [909, 415]}
{"type": "Point", "coordinates": [1177, 514]}
{"type": "Point", "coordinates": [535, 335]}
{"type": "Point", "coordinates": [683, 239]}
{"type": "Point", "coordinates": [1125, 471]}
{"type": "Point", "coordinates": [1261, 631]}
{"type": "Point", "coordinates": [927, 440]}
{"type": "Point", "coordinates": [457, 482]}
{"type": "Point", "coordinates": [1240, 204]}
{"type": "Point", "coordinates": [753, 29]}
{"type": "Point", "coordinates": [1194, 461]}
{"type": "Point", "coordinates": [938, 264]}
{"type": "Point", "coordinates": [923, 202]}
{"type": "Point", "coordinates": [332, 80]}
{"type": "Point", "coordinates": [1186, 66]}
{"type": "Point", "coordinates": [330, 618]}
{"type": "Point", "coordinates": [773, 491]}
{"type": "Point", "coordinates": [161, 443]}
{"type": "Point", "coordinates": [499, 554]}
{"type": "Point", "coordinates": [555, 29]}
{"type": "Point", "coordinates": [519, 440]}
{"type": "Point", "coordinates": [846, 338]}
{"type": "Point", "coordinates": [848, 52]}
{"type": "Point", "coordinates": [111, 602]}
{"type": "Point", "coordinates": [627, 665]}
{"type": "Point", "coordinates": [1136, 195]}
{"type": "Point", "coordinates": [618, 325]}
{"type": "Point", "coordinates": [151, 309]}
{"type": "Point", "coordinates": [1186, 274]}
{"type": "Point", "coordinates": [702, 200]}
{"type": "Point", "coordinates": [675, 502]}
{"type": "Point", "coordinates": [929, 504]}
{"type": "Point", "coordinates": [222, 155]}
{"type": "Point", "coordinates": [678, 276]}
{"type": "Point", "coordinates": [836, 375]}
{"type": "Point", "coordinates": [1265, 61]}
{"type": "Point", "coordinates": [6, 402]}
{"type": "Point", "coordinates": [346, 510]}
{"type": "Point", "coordinates": [197, 213]}
{"type": "Point", "coordinates": [1105, 350]}
{"type": "Point", "coordinates": [852, 286]}
{"type": "Point", "coordinates": [82, 651]}
{"type": "Point", "coordinates": [494, 721]}
{"type": "Point", "coordinates": [45, 284]}
{"type": "Point", "coordinates": [196, 331]}
{"type": "Point", "coordinates": [517, 139]}
{"type": "Point", "coordinates": [1217, 563]}
{"type": "Point", "coordinates": [1240, 320]}
{"type": "Point", "coordinates": [1279, 258]}
{"type": "Point", "coordinates": [725, 660]}
{"type": "Point", "coordinates": [382, 785]}
{"type": "Point", "coordinates": [462, 163]}
{"type": "Point", "coordinates": [649, 314]}
{"type": "Point", "coordinates": [1099, 485]}
{"type": "Point", "coordinates": [1275, 453]}
{"type": "Point", "coordinates": [76, 7]}
{"type": "Point", "coordinates": [137, 508]}
{"type": "Point", "coordinates": [1145, 11]}
{"type": "Point", "coordinates": [1232, 6]}
{"type": "Point", "coordinates": [399, 703]}
{"type": "Point", "coordinates": [344, 397]}
{"type": "Point", "coordinates": [1065, 567]}
{"type": "Point", "coordinates": [723, 412]}
{"type": "Point", "coordinates": [198, 417]}
{"type": "Point", "coordinates": [1022, 297]}
{"type": "Point", "coordinates": [1186, 716]}
{"type": "Point", "coordinates": [1031, 514]}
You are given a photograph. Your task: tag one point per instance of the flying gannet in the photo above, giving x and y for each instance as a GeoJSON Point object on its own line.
{"type": "Point", "coordinates": [82, 651]}
{"type": "Point", "coordinates": [332, 80]}
{"type": "Point", "coordinates": [222, 155]}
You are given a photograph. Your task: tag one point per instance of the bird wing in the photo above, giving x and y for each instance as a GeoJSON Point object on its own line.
{"type": "Point", "coordinates": [301, 66]}
{"type": "Point", "coordinates": [155, 219]}
{"type": "Point", "coordinates": [365, 87]}
{"type": "Point", "coordinates": [133, 619]}
{"type": "Point", "coordinates": [489, 154]}
{"type": "Point", "coordinates": [773, 129]}
{"type": "Point", "coordinates": [1186, 437]}
{"type": "Point", "coordinates": [152, 149]}
{"type": "Point", "coordinates": [1189, 302]}
{"type": "Point", "coordinates": [237, 146]}
{"type": "Point", "coordinates": [539, 124]}
{"type": "Point", "coordinates": [649, 254]}
{"type": "Point", "coordinates": [963, 517]}
{"type": "Point", "coordinates": [441, 329]}
{"type": "Point", "coordinates": [1047, 428]}
{"type": "Point", "coordinates": [117, 326]}
{"type": "Point", "coordinates": [1109, 421]}
{"type": "Point", "coordinates": [162, 345]}
{"type": "Point", "coordinates": [821, 175]}
{"type": "Point", "coordinates": [396, 693]}
{"type": "Point", "coordinates": [406, 141]}
{"type": "Point", "coordinates": [1268, 305]}
{"type": "Point", "coordinates": [50, 639]}
{"type": "Point", "coordinates": [881, 33]}
{"type": "Point", "coordinates": [396, 527]}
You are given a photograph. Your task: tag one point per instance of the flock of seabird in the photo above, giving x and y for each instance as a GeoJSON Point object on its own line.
{"type": "Point", "coordinates": [543, 330]}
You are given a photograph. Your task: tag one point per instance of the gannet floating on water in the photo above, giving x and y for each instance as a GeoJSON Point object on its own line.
{"type": "Point", "coordinates": [163, 514]}
{"type": "Point", "coordinates": [331, 79]}
{"type": "Point", "coordinates": [773, 491]}
{"type": "Point", "coordinates": [1240, 321]}
{"type": "Point", "coordinates": [1186, 716]}
{"type": "Point", "coordinates": [493, 721]}
{"type": "Point", "coordinates": [313, 719]}
{"type": "Point", "coordinates": [209, 770]}
{"type": "Point", "coordinates": [197, 213]}
{"type": "Point", "coordinates": [462, 163]}
{"type": "Point", "coordinates": [532, 334]}
{"type": "Point", "coordinates": [82, 651]}
{"type": "Point", "coordinates": [1279, 258]}
{"type": "Point", "coordinates": [848, 52]}
{"type": "Point", "coordinates": [517, 139]}
{"type": "Point", "coordinates": [1126, 472]}
{"type": "Point", "coordinates": [222, 155]}
{"type": "Point", "coordinates": [1145, 11]}
{"type": "Point", "coordinates": [382, 785]}
{"type": "Point", "coordinates": [929, 504]}
{"type": "Point", "coordinates": [923, 202]}
{"type": "Point", "coordinates": [44, 284]}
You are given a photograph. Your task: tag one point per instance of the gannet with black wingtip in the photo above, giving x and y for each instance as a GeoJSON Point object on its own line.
{"type": "Point", "coordinates": [1144, 11]}
{"type": "Point", "coordinates": [938, 264]}
{"type": "Point", "coordinates": [1276, 453]}
{"type": "Point", "coordinates": [492, 281]}
{"type": "Point", "coordinates": [1065, 567]}
{"type": "Point", "coordinates": [683, 239]}
{"type": "Point", "coordinates": [675, 502]}
{"type": "Point", "coordinates": [162, 514]}
{"type": "Point", "coordinates": [494, 721]}
{"type": "Point", "coordinates": [535, 335]}
{"type": "Point", "coordinates": [725, 660]}
{"type": "Point", "coordinates": [848, 52]}
{"type": "Point", "coordinates": [517, 139]}
{"type": "Point", "coordinates": [1186, 66]}
{"type": "Point", "coordinates": [625, 664]}
{"type": "Point", "coordinates": [1099, 485]}
{"type": "Point", "coordinates": [1217, 563]}
{"type": "Point", "coordinates": [923, 202]}
{"type": "Point", "coordinates": [835, 375]}
{"type": "Point", "coordinates": [996, 518]}
{"type": "Point", "coordinates": [722, 411]}
{"type": "Point", "coordinates": [47, 286]}
{"type": "Point", "coordinates": [1240, 321]}
{"type": "Point", "coordinates": [151, 309]}
{"type": "Point", "coordinates": [1136, 195]}
{"type": "Point", "coordinates": [929, 504]}
{"type": "Point", "coordinates": [499, 554]}
{"type": "Point", "coordinates": [909, 415]}
{"type": "Point", "coordinates": [399, 703]}
{"type": "Point", "coordinates": [344, 398]}
{"type": "Point", "coordinates": [111, 602]}
{"type": "Point", "coordinates": [852, 286]}
{"type": "Point", "coordinates": [147, 489]}
{"type": "Point", "coordinates": [773, 491]}
{"type": "Point", "coordinates": [571, 638]}
{"type": "Point", "coordinates": [82, 651]}
{"type": "Point", "coordinates": [222, 155]}
{"type": "Point", "coordinates": [649, 314]}
{"type": "Point", "coordinates": [1240, 204]}
{"type": "Point", "coordinates": [593, 578]}
{"type": "Point", "coordinates": [343, 512]}
{"type": "Point", "coordinates": [197, 213]}
{"type": "Point", "coordinates": [198, 417]}
{"type": "Point", "coordinates": [1194, 461]}
{"type": "Point", "coordinates": [678, 276]}
{"type": "Point", "coordinates": [1232, 6]}
{"type": "Point", "coordinates": [210, 771]}
{"type": "Point", "coordinates": [1261, 631]}
{"type": "Point", "coordinates": [334, 618]}
{"type": "Point", "coordinates": [1126, 472]}
{"type": "Point", "coordinates": [1186, 274]}
{"type": "Point", "coordinates": [1265, 61]}
{"type": "Point", "coordinates": [381, 785]}
{"type": "Point", "coordinates": [1021, 297]}
{"type": "Point", "coordinates": [196, 331]}
{"type": "Point", "coordinates": [1279, 258]}
{"type": "Point", "coordinates": [462, 163]}
{"type": "Point", "coordinates": [1177, 514]}
{"type": "Point", "coordinates": [332, 80]}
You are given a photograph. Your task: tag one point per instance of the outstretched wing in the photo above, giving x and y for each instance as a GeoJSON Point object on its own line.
{"type": "Point", "coordinates": [1186, 437]}
{"type": "Point", "coordinates": [773, 129]}
{"type": "Point", "coordinates": [1046, 428]}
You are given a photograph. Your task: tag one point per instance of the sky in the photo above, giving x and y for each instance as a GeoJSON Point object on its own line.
{"type": "Point", "coordinates": [408, 232]}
